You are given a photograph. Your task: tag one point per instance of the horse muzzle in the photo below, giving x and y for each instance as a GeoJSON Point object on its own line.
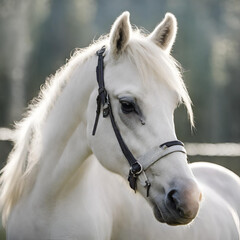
{"type": "Point", "coordinates": [180, 204]}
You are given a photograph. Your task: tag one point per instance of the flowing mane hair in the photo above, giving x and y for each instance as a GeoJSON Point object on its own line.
{"type": "Point", "coordinates": [19, 174]}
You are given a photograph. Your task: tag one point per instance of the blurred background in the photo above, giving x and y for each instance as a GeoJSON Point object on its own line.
{"type": "Point", "coordinates": [37, 36]}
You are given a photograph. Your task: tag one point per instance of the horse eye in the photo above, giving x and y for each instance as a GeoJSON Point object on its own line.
{"type": "Point", "coordinates": [127, 107]}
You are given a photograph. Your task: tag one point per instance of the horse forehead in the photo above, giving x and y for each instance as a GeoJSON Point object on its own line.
{"type": "Point", "coordinates": [123, 70]}
{"type": "Point", "coordinates": [123, 77]}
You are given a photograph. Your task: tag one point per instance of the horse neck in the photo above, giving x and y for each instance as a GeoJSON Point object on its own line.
{"type": "Point", "coordinates": [63, 137]}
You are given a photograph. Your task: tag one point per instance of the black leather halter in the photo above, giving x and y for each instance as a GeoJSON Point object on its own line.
{"type": "Point", "coordinates": [103, 99]}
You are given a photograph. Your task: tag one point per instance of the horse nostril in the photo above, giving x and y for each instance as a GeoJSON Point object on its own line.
{"type": "Point", "coordinates": [174, 202]}
{"type": "Point", "coordinates": [184, 203]}
{"type": "Point", "coordinates": [173, 199]}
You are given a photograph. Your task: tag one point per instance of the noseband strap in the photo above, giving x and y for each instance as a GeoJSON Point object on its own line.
{"type": "Point", "coordinates": [137, 167]}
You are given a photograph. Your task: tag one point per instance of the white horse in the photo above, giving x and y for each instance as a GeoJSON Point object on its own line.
{"type": "Point", "coordinates": [61, 182]}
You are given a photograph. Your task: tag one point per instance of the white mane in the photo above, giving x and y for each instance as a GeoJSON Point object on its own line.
{"type": "Point", "coordinates": [24, 155]}
{"type": "Point", "coordinates": [20, 171]}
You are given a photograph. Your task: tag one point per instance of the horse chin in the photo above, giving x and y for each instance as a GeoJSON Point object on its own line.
{"type": "Point", "coordinates": [164, 216]}
{"type": "Point", "coordinates": [158, 214]}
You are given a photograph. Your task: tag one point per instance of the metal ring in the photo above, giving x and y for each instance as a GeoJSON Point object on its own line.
{"type": "Point", "coordinates": [136, 171]}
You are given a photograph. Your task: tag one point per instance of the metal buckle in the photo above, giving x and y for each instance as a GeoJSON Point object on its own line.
{"type": "Point", "coordinates": [148, 185]}
{"type": "Point", "coordinates": [106, 111]}
{"type": "Point", "coordinates": [101, 51]}
{"type": "Point", "coordinates": [136, 168]}
{"type": "Point", "coordinates": [164, 146]}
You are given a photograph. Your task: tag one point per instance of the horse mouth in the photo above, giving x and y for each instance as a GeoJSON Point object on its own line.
{"type": "Point", "coordinates": [165, 216]}
{"type": "Point", "coordinates": [158, 215]}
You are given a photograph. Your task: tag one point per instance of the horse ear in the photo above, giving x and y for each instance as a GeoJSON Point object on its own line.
{"type": "Point", "coordinates": [165, 33]}
{"type": "Point", "coordinates": [120, 34]}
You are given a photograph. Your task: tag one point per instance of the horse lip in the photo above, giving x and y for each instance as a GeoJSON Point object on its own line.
{"type": "Point", "coordinates": [158, 214]}
{"type": "Point", "coordinates": [168, 217]}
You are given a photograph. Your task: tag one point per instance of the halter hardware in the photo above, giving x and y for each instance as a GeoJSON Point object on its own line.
{"type": "Point", "coordinates": [137, 167]}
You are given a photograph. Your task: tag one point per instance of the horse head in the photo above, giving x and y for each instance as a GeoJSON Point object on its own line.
{"type": "Point", "coordinates": [145, 86]}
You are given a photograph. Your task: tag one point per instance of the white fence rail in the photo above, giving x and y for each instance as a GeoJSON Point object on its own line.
{"type": "Point", "coordinates": [193, 149]}
{"type": "Point", "coordinates": [213, 149]}
{"type": "Point", "coordinates": [6, 134]}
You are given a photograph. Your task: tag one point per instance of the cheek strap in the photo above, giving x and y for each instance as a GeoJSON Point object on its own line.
{"type": "Point", "coordinates": [103, 100]}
